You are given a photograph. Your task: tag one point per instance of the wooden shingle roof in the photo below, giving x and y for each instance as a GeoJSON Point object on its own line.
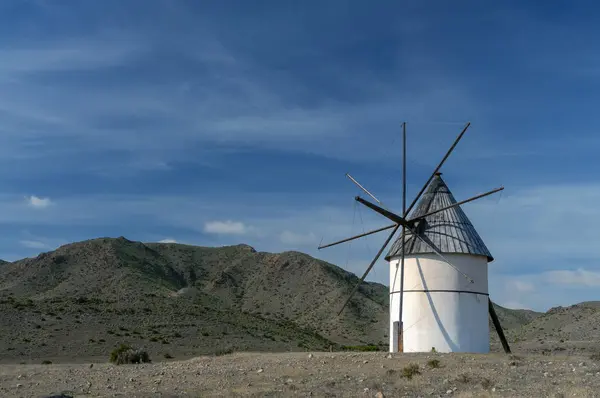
{"type": "Point", "coordinates": [450, 231]}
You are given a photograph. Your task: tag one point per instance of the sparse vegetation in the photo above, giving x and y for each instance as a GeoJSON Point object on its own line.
{"type": "Point", "coordinates": [223, 351]}
{"type": "Point", "coordinates": [410, 371]}
{"type": "Point", "coordinates": [362, 348]}
{"type": "Point", "coordinates": [433, 363]}
{"type": "Point", "coordinates": [125, 354]}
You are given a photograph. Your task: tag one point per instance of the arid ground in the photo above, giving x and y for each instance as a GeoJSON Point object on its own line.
{"type": "Point", "coordinates": [315, 374]}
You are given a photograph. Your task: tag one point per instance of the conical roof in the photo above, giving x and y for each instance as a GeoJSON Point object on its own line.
{"type": "Point", "coordinates": [450, 231]}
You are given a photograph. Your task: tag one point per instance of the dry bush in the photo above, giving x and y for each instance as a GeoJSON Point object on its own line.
{"type": "Point", "coordinates": [125, 354]}
{"type": "Point", "coordinates": [410, 371]}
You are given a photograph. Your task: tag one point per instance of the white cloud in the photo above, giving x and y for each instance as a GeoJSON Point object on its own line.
{"type": "Point", "coordinates": [299, 239]}
{"type": "Point", "coordinates": [168, 240]}
{"type": "Point", "coordinates": [522, 286]}
{"type": "Point", "coordinates": [33, 244]}
{"type": "Point", "coordinates": [225, 227]}
{"type": "Point", "coordinates": [38, 203]}
{"type": "Point", "coordinates": [579, 277]}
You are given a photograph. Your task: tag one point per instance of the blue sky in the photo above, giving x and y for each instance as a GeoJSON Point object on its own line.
{"type": "Point", "coordinates": [225, 122]}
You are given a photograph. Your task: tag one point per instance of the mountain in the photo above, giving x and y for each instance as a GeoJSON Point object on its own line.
{"type": "Point", "coordinates": [3, 262]}
{"type": "Point", "coordinates": [86, 297]}
{"type": "Point", "coordinates": [513, 319]}
{"type": "Point", "coordinates": [573, 328]}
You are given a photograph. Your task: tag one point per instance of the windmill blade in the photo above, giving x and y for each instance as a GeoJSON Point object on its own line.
{"type": "Point", "coordinates": [387, 241]}
{"type": "Point", "coordinates": [363, 188]}
{"type": "Point", "coordinates": [457, 204]}
{"type": "Point", "coordinates": [438, 168]}
{"type": "Point", "coordinates": [386, 213]}
{"type": "Point", "coordinates": [357, 236]}
{"type": "Point", "coordinates": [436, 251]}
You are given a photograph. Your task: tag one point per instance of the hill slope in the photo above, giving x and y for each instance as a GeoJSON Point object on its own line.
{"type": "Point", "coordinates": [86, 297]}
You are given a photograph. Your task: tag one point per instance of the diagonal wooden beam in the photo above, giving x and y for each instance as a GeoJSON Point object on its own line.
{"type": "Point", "coordinates": [387, 241]}
{"type": "Point", "coordinates": [457, 204]}
{"type": "Point", "coordinates": [357, 236]}
{"type": "Point", "coordinates": [437, 168]}
{"type": "Point", "coordinates": [498, 327]}
{"type": "Point", "coordinates": [386, 213]}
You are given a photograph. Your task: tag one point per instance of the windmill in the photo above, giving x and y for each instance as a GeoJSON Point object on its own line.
{"type": "Point", "coordinates": [443, 261]}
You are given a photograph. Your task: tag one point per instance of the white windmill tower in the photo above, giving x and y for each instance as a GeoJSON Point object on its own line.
{"type": "Point", "coordinates": [438, 271]}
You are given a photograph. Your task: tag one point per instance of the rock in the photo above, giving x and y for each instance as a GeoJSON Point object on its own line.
{"type": "Point", "coordinates": [19, 385]}
{"type": "Point", "coordinates": [379, 395]}
{"type": "Point", "coordinates": [310, 356]}
{"type": "Point", "coordinates": [365, 361]}
{"type": "Point", "coordinates": [91, 365]}
{"type": "Point", "coordinates": [449, 392]}
{"type": "Point", "coordinates": [366, 390]}
{"type": "Point", "coordinates": [260, 370]}
{"type": "Point", "coordinates": [389, 356]}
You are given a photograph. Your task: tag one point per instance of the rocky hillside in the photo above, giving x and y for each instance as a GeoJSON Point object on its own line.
{"type": "Point", "coordinates": [86, 297]}
{"type": "Point", "coordinates": [574, 328]}
{"type": "Point", "coordinates": [89, 296]}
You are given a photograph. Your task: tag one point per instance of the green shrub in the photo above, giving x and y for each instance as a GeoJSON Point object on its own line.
{"type": "Point", "coordinates": [46, 362]}
{"type": "Point", "coordinates": [433, 363]}
{"type": "Point", "coordinates": [125, 354]}
{"type": "Point", "coordinates": [223, 351]}
{"type": "Point", "coordinates": [362, 348]}
{"type": "Point", "coordinates": [410, 371]}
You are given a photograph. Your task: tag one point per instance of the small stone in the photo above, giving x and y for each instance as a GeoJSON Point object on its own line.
{"type": "Point", "coordinates": [365, 361]}
{"type": "Point", "coordinates": [20, 377]}
{"type": "Point", "coordinates": [379, 395]}
{"type": "Point", "coordinates": [446, 381]}
{"type": "Point", "coordinates": [19, 385]}
{"type": "Point", "coordinates": [493, 389]}
{"type": "Point", "coordinates": [260, 370]}
{"type": "Point", "coordinates": [545, 374]}
{"type": "Point", "coordinates": [91, 365]}
{"type": "Point", "coordinates": [366, 390]}
{"type": "Point", "coordinates": [389, 356]}
{"type": "Point", "coordinates": [310, 356]}
{"type": "Point", "coordinates": [449, 392]}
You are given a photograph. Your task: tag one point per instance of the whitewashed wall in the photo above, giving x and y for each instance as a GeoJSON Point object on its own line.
{"type": "Point", "coordinates": [449, 321]}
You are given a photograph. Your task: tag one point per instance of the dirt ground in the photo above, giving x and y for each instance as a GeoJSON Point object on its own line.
{"type": "Point", "coordinates": [317, 374]}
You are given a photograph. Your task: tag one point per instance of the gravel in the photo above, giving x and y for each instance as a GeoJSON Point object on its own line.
{"type": "Point", "coordinates": [318, 374]}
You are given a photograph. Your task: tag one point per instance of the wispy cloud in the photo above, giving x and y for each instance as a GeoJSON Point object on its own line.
{"type": "Point", "coordinates": [225, 227]}
{"type": "Point", "coordinates": [298, 239]}
{"type": "Point", "coordinates": [32, 244]}
{"type": "Point", "coordinates": [167, 240]}
{"type": "Point", "coordinates": [579, 277]}
{"type": "Point", "coordinates": [38, 203]}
